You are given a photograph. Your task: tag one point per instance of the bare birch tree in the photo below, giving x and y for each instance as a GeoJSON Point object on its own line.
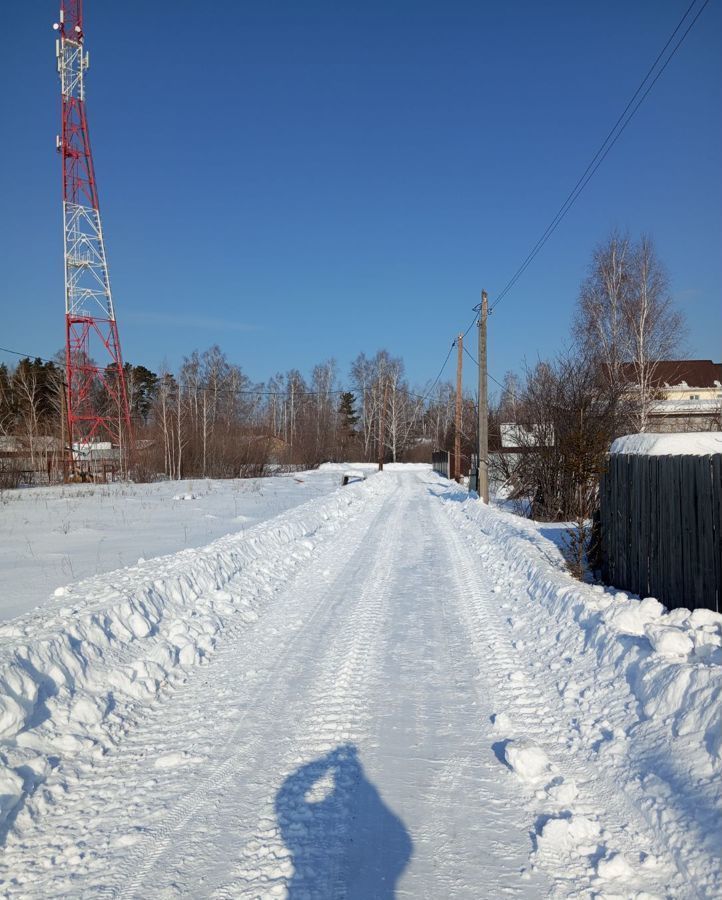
{"type": "Point", "coordinates": [654, 328]}
{"type": "Point", "coordinates": [363, 376]}
{"type": "Point", "coordinates": [626, 323]}
{"type": "Point", "coordinates": [601, 319]}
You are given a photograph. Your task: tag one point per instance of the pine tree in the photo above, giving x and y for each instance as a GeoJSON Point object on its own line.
{"type": "Point", "coordinates": [348, 419]}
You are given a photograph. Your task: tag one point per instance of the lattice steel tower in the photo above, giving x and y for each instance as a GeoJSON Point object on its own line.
{"type": "Point", "coordinates": [97, 400]}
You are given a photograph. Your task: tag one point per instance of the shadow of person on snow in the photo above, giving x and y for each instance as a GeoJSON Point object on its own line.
{"type": "Point", "coordinates": [344, 840]}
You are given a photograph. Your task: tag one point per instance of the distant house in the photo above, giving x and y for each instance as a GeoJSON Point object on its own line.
{"type": "Point", "coordinates": [689, 394]}
{"type": "Point", "coordinates": [27, 460]}
{"type": "Point", "coordinates": [515, 438]}
{"type": "Point", "coordinates": [506, 449]}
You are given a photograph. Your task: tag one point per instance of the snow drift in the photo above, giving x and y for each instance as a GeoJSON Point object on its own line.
{"type": "Point", "coordinates": [671, 660]}
{"type": "Point", "coordinates": [641, 690]}
{"type": "Point", "coordinates": [70, 676]}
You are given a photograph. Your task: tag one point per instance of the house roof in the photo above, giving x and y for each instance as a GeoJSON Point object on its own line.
{"type": "Point", "coordinates": [695, 373]}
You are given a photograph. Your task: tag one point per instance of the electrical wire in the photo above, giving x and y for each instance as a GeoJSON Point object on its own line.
{"type": "Point", "coordinates": [504, 391]}
{"type": "Point", "coordinates": [259, 392]}
{"type": "Point", "coordinates": [488, 374]}
{"type": "Point", "coordinates": [477, 309]}
{"type": "Point", "coordinates": [232, 391]}
{"type": "Point", "coordinates": [27, 355]}
{"type": "Point", "coordinates": [471, 357]}
{"type": "Point", "coordinates": [441, 372]}
{"type": "Point", "coordinates": [606, 145]}
{"type": "Point", "coordinates": [609, 141]}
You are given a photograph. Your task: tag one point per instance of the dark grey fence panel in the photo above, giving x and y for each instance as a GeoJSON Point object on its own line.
{"type": "Point", "coordinates": [717, 523]}
{"type": "Point", "coordinates": [661, 524]}
{"type": "Point", "coordinates": [440, 462]}
{"type": "Point", "coordinates": [623, 518]}
{"type": "Point", "coordinates": [702, 576]}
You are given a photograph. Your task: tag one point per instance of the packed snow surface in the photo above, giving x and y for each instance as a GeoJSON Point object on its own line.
{"type": "Point", "coordinates": [389, 690]}
{"type": "Point", "coordinates": [695, 443]}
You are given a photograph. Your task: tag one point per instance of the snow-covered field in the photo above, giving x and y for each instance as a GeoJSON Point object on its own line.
{"type": "Point", "coordinates": [389, 690]}
{"type": "Point", "coordinates": [52, 536]}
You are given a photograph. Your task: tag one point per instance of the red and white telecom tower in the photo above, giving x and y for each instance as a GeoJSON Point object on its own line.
{"type": "Point", "coordinates": [97, 400]}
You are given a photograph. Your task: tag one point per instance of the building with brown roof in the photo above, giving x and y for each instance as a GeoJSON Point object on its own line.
{"type": "Point", "coordinates": [689, 394]}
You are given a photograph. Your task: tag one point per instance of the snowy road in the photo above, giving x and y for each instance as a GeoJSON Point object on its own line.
{"type": "Point", "coordinates": [378, 728]}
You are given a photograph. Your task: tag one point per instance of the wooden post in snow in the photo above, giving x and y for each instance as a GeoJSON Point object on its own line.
{"type": "Point", "coordinates": [483, 485]}
{"type": "Point", "coordinates": [457, 426]}
{"type": "Point", "coordinates": [382, 424]}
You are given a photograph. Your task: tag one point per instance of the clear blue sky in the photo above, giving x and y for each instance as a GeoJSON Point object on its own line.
{"type": "Point", "coordinates": [302, 180]}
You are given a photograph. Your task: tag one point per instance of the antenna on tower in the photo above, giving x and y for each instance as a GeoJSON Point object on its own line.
{"type": "Point", "coordinates": [98, 414]}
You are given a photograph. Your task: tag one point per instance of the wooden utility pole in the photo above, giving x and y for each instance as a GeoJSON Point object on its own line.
{"type": "Point", "coordinates": [382, 425]}
{"type": "Point", "coordinates": [483, 486]}
{"type": "Point", "coordinates": [457, 426]}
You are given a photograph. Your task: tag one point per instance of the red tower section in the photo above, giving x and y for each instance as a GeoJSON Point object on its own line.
{"type": "Point", "coordinates": [97, 399]}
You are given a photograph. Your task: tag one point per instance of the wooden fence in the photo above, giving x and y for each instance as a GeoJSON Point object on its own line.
{"type": "Point", "coordinates": [661, 528]}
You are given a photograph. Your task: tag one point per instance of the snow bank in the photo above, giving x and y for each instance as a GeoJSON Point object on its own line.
{"type": "Point", "coordinates": [697, 443]}
{"type": "Point", "coordinates": [69, 676]}
{"type": "Point", "coordinates": [671, 661]}
{"type": "Point", "coordinates": [53, 535]}
{"type": "Point", "coordinates": [642, 689]}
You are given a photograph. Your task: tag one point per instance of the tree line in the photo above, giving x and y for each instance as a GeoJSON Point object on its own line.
{"type": "Point", "coordinates": [208, 419]}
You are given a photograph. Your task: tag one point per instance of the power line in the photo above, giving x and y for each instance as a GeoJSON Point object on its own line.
{"type": "Point", "coordinates": [234, 391]}
{"type": "Point", "coordinates": [604, 148]}
{"type": "Point", "coordinates": [606, 145]}
{"type": "Point", "coordinates": [263, 393]}
{"type": "Point", "coordinates": [473, 322]}
{"type": "Point", "coordinates": [488, 374]}
{"type": "Point", "coordinates": [471, 357]}
{"type": "Point", "coordinates": [441, 371]}
{"type": "Point", "coordinates": [27, 355]}
{"type": "Point", "coordinates": [260, 392]}
{"type": "Point", "coordinates": [503, 389]}
{"type": "Point", "coordinates": [609, 141]}
{"type": "Point", "coordinates": [476, 363]}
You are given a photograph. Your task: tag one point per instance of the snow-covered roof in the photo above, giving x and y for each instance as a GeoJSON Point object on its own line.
{"type": "Point", "coordinates": [690, 407]}
{"type": "Point", "coordinates": [693, 443]}
{"type": "Point", "coordinates": [514, 435]}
